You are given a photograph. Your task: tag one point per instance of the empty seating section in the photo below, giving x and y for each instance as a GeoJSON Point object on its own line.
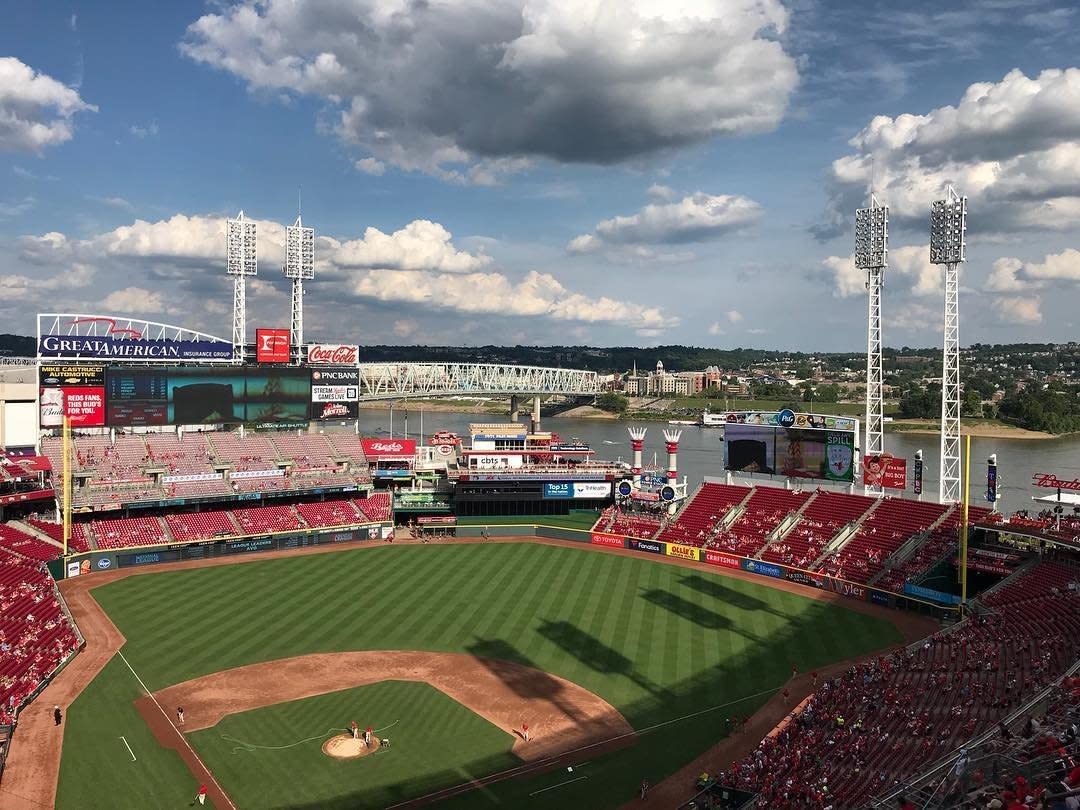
{"type": "Point", "coordinates": [824, 517]}
{"type": "Point", "coordinates": [128, 532]}
{"type": "Point", "coordinates": [27, 545]}
{"type": "Point", "coordinates": [253, 452]}
{"type": "Point", "coordinates": [330, 513]}
{"type": "Point", "coordinates": [630, 524]}
{"type": "Point", "coordinates": [309, 451]}
{"type": "Point", "coordinates": [266, 519]}
{"type": "Point", "coordinates": [891, 525]}
{"type": "Point", "coordinates": [197, 489]}
{"type": "Point", "coordinates": [76, 540]}
{"type": "Point", "coordinates": [905, 710]}
{"type": "Point", "coordinates": [941, 540]}
{"type": "Point", "coordinates": [35, 633]}
{"type": "Point", "coordinates": [188, 456]}
{"type": "Point", "coordinates": [765, 510]}
{"type": "Point", "coordinates": [200, 526]}
{"type": "Point", "coordinates": [346, 444]}
{"type": "Point", "coordinates": [696, 522]}
{"type": "Point", "coordinates": [377, 506]}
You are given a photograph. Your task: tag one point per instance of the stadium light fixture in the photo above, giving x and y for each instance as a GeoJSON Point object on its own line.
{"type": "Point", "coordinates": [872, 255]}
{"type": "Point", "coordinates": [299, 266]}
{"type": "Point", "coordinates": [241, 261]}
{"type": "Point", "coordinates": [948, 247]}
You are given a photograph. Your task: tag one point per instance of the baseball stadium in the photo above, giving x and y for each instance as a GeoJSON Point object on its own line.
{"type": "Point", "coordinates": [216, 590]}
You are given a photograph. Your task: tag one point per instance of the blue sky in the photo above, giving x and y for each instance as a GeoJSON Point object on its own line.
{"type": "Point", "coordinates": [542, 171]}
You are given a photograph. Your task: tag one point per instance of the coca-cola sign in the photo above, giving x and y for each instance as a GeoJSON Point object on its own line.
{"type": "Point", "coordinates": [389, 448]}
{"type": "Point", "coordinates": [332, 354]}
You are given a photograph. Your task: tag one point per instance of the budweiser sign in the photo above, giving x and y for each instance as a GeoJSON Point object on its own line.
{"type": "Point", "coordinates": [332, 354]}
{"type": "Point", "coordinates": [1051, 481]}
{"type": "Point", "coordinates": [383, 448]}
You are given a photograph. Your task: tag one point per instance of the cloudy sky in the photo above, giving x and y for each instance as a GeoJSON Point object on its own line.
{"type": "Point", "coordinates": [543, 171]}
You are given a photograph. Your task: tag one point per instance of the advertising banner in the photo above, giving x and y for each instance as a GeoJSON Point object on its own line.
{"type": "Point", "coordinates": [991, 483]}
{"type": "Point", "coordinates": [569, 448]}
{"type": "Point", "coordinates": [805, 578]}
{"type": "Point", "coordinates": [792, 452]}
{"type": "Point", "coordinates": [763, 568]}
{"type": "Point", "coordinates": [684, 552]}
{"type": "Point", "coordinates": [885, 471]}
{"type": "Point", "coordinates": [333, 393]}
{"type": "Point", "coordinates": [272, 345]}
{"type": "Point", "coordinates": [437, 520]}
{"type": "Point", "coordinates": [561, 489]}
{"type": "Point", "coordinates": [720, 559]}
{"type": "Point", "coordinates": [651, 546]}
{"type": "Point", "coordinates": [1051, 481]}
{"type": "Point", "coordinates": [930, 594]}
{"type": "Point", "coordinates": [323, 411]}
{"type": "Point", "coordinates": [138, 397]}
{"type": "Point", "coordinates": [55, 375]}
{"type": "Point", "coordinates": [608, 540]}
{"type": "Point", "coordinates": [176, 479]}
{"type": "Point", "coordinates": [129, 349]}
{"type": "Point", "coordinates": [790, 419]}
{"type": "Point", "coordinates": [257, 474]}
{"type": "Point", "coordinates": [389, 448]}
{"type": "Point", "coordinates": [332, 354]}
{"type": "Point", "coordinates": [592, 489]}
{"type": "Point", "coordinates": [844, 588]}
{"type": "Point", "coordinates": [336, 376]}
{"type": "Point", "coordinates": [84, 407]}
{"type": "Point", "coordinates": [916, 478]}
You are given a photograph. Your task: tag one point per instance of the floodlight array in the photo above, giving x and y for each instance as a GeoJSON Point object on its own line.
{"type": "Point", "coordinates": [299, 252]}
{"type": "Point", "coordinates": [871, 237]}
{"type": "Point", "coordinates": [948, 230]}
{"type": "Point", "coordinates": [241, 252]}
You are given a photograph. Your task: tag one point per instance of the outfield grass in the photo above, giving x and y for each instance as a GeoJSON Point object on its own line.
{"type": "Point", "coordinates": [434, 740]}
{"type": "Point", "coordinates": [656, 641]}
{"type": "Point", "coordinates": [577, 519]}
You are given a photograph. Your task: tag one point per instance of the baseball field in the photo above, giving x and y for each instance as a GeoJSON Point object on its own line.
{"type": "Point", "coordinates": [446, 651]}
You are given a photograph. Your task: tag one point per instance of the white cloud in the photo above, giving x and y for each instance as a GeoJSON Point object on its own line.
{"type": "Point", "coordinates": [1024, 310]}
{"type": "Point", "coordinates": [134, 301]}
{"type": "Point", "coordinates": [733, 316]}
{"type": "Point", "coordinates": [179, 262]}
{"type": "Point", "coordinates": [1013, 147]}
{"type": "Point", "coordinates": [716, 329]}
{"type": "Point", "coordinates": [1003, 276]}
{"type": "Point", "coordinates": [370, 165]}
{"type": "Point", "coordinates": [16, 208]}
{"type": "Point", "coordinates": [469, 91]}
{"type": "Point", "coordinates": [694, 218]}
{"type": "Point", "coordinates": [144, 131]}
{"type": "Point", "coordinates": [36, 110]}
{"type": "Point", "coordinates": [114, 202]}
{"type": "Point", "coordinates": [1013, 275]}
{"type": "Point", "coordinates": [1064, 266]}
{"type": "Point", "coordinates": [910, 265]}
{"type": "Point", "coordinates": [661, 193]}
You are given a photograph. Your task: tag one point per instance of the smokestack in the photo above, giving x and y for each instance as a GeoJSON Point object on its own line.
{"type": "Point", "coordinates": [672, 438]}
{"type": "Point", "coordinates": [637, 442]}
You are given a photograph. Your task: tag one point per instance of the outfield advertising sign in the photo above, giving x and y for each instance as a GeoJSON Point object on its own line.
{"type": "Point", "coordinates": [721, 559]}
{"type": "Point", "coordinates": [561, 489]}
{"type": "Point", "coordinates": [931, 594]}
{"type": "Point", "coordinates": [651, 546]}
{"type": "Point", "coordinates": [683, 552]}
{"type": "Point", "coordinates": [608, 540]}
{"type": "Point", "coordinates": [763, 568]}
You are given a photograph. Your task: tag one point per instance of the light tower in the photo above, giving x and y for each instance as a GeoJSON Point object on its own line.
{"type": "Point", "coordinates": [672, 438]}
{"type": "Point", "coordinates": [637, 442]}
{"type": "Point", "coordinates": [241, 260]}
{"type": "Point", "coordinates": [872, 255]}
{"type": "Point", "coordinates": [299, 265]}
{"type": "Point", "coordinates": [948, 228]}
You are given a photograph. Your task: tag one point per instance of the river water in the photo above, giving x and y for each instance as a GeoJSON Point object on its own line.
{"type": "Point", "coordinates": [701, 451]}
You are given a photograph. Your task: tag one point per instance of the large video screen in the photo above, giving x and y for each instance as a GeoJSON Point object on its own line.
{"type": "Point", "coordinates": [791, 452]}
{"type": "Point", "coordinates": [139, 397]}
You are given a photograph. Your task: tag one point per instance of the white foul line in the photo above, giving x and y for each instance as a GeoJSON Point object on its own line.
{"type": "Point", "coordinates": [122, 737]}
{"type": "Point", "coordinates": [168, 720]}
{"type": "Point", "coordinates": [567, 782]}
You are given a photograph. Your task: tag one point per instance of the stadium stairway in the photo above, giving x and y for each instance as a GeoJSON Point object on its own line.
{"type": "Point", "coordinates": [911, 547]}
{"type": "Point", "coordinates": [846, 533]}
{"type": "Point", "coordinates": [785, 527]}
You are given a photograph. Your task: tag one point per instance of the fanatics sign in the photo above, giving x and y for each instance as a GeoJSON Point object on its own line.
{"type": "Point", "coordinates": [272, 345]}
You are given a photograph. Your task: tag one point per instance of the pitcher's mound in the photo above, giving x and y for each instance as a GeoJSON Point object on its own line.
{"type": "Point", "coordinates": [343, 746]}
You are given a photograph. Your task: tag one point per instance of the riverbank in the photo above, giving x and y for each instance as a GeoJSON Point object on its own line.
{"type": "Point", "coordinates": [438, 406]}
{"type": "Point", "coordinates": [982, 429]}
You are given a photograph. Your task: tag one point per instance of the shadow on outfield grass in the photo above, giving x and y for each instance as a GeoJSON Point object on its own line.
{"type": "Point", "coordinates": [692, 611]}
{"type": "Point", "coordinates": [719, 590]}
{"type": "Point", "coordinates": [594, 653]}
{"type": "Point", "coordinates": [494, 654]}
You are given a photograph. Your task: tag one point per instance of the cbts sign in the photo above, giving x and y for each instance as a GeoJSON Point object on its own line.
{"type": "Point", "coordinates": [272, 345]}
{"type": "Point", "coordinates": [332, 354]}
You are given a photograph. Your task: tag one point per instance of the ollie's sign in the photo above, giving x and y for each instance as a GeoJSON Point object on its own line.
{"type": "Point", "coordinates": [389, 448]}
{"type": "Point", "coordinates": [332, 354]}
{"type": "Point", "coordinates": [272, 345]}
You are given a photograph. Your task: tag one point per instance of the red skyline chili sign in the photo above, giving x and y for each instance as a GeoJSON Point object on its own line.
{"type": "Point", "coordinates": [272, 345]}
{"type": "Point", "coordinates": [1051, 481]}
{"type": "Point", "coordinates": [389, 448]}
{"type": "Point", "coordinates": [332, 354]}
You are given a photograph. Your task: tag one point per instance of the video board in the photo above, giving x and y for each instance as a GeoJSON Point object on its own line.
{"type": "Point", "coordinates": [140, 397]}
{"type": "Point", "coordinates": [824, 453]}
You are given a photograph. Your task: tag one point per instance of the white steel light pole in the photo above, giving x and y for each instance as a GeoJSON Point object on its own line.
{"type": "Point", "coordinates": [241, 261]}
{"type": "Point", "coordinates": [948, 230]}
{"type": "Point", "coordinates": [872, 255]}
{"type": "Point", "coordinates": [299, 265]}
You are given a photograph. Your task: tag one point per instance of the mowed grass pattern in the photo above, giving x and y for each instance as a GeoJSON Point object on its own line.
{"type": "Point", "coordinates": [656, 641]}
{"type": "Point", "coordinates": [434, 740]}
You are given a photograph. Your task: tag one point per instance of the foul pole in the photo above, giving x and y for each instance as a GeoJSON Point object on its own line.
{"type": "Point", "coordinates": [964, 522]}
{"type": "Point", "coordinates": [66, 488]}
